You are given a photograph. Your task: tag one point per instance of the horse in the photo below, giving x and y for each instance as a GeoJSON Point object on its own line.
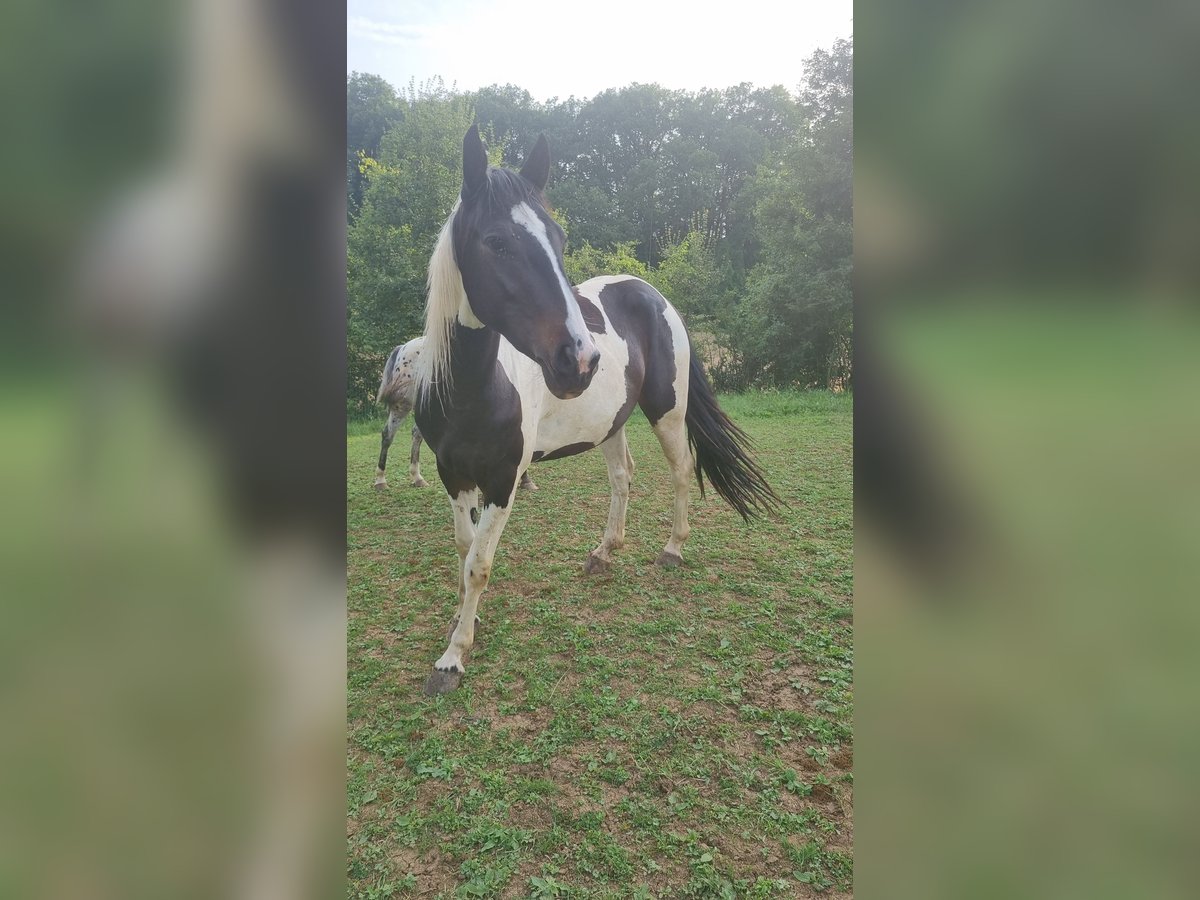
{"type": "Point", "coordinates": [397, 389]}
{"type": "Point", "coordinates": [519, 367]}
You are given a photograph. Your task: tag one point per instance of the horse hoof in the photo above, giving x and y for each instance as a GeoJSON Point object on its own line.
{"type": "Point", "coordinates": [528, 486]}
{"type": "Point", "coordinates": [669, 560]}
{"type": "Point", "coordinates": [440, 682]}
{"type": "Point", "coordinates": [594, 565]}
{"type": "Point", "coordinates": [380, 484]}
{"type": "Point", "coordinates": [420, 482]}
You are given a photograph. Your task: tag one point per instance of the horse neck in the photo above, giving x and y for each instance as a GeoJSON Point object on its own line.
{"type": "Point", "coordinates": [473, 355]}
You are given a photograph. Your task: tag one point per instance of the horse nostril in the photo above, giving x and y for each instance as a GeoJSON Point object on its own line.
{"type": "Point", "coordinates": [595, 361]}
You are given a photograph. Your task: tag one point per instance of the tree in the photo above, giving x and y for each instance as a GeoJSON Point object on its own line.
{"type": "Point", "coordinates": [512, 116]}
{"type": "Point", "coordinates": [795, 325]}
{"type": "Point", "coordinates": [372, 108]}
{"type": "Point", "coordinates": [688, 276]}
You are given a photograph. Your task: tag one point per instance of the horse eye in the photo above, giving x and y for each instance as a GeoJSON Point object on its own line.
{"type": "Point", "coordinates": [496, 244]}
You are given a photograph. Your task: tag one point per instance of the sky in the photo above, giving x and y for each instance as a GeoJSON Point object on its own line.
{"type": "Point", "coordinates": [560, 48]}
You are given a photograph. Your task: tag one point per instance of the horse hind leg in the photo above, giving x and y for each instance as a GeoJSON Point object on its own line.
{"type": "Point", "coordinates": [671, 431]}
{"type": "Point", "coordinates": [414, 460]}
{"type": "Point", "coordinates": [616, 455]}
{"type": "Point", "coordinates": [385, 441]}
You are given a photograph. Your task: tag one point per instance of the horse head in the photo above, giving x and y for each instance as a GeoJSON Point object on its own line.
{"type": "Point", "coordinates": [509, 252]}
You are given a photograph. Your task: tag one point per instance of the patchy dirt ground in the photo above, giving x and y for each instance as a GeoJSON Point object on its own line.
{"type": "Point", "coordinates": [642, 733]}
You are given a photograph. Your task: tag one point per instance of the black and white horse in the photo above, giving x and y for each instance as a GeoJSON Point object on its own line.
{"type": "Point", "coordinates": [398, 389]}
{"type": "Point", "coordinates": [518, 366]}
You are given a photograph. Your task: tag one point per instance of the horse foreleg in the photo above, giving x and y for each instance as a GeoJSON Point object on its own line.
{"type": "Point", "coordinates": [477, 569]}
{"type": "Point", "coordinates": [385, 441]}
{"type": "Point", "coordinates": [672, 436]}
{"type": "Point", "coordinates": [465, 509]}
{"type": "Point", "coordinates": [616, 455]}
{"type": "Point", "coordinates": [414, 460]}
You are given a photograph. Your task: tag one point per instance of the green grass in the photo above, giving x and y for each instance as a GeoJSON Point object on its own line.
{"type": "Point", "coordinates": [644, 733]}
{"type": "Point", "coordinates": [371, 426]}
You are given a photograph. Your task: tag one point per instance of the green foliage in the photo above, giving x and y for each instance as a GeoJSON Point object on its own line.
{"type": "Point", "coordinates": [795, 325]}
{"type": "Point", "coordinates": [688, 276]}
{"type": "Point", "coordinates": [372, 109]}
{"type": "Point", "coordinates": [591, 212]}
{"type": "Point", "coordinates": [588, 262]}
{"type": "Point", "coordinates": [546, 887]}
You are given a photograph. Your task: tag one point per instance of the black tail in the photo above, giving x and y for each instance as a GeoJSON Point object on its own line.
{"type": "Point", "coordinates": [723, 451]}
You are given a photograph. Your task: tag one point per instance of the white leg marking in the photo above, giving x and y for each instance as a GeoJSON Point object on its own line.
{"type": "Point", "coordinates": [616, 455]}
{"type": "Point", "coordinates": [477, 568]}
{"type": "Point", "coordinates": [414, 461]}
{"type": "Point", "coordinates": [464, 533]}
{"type": "Point", "coordinates": [672, 435]}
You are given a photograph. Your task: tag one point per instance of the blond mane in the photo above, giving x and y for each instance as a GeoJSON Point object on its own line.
{"type": "Point", "coordinates": [445, 299]}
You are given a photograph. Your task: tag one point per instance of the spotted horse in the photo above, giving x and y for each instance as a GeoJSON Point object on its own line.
{"type": "Point", "coordinates": [518, 366]}
{"type": "Point", "coordinates": [398, 390]}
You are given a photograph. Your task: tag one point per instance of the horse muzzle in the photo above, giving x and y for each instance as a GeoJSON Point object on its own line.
{"type": "Point", "coordinates": [572, 371]}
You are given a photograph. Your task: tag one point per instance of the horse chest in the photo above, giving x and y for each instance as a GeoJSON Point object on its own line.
{"type": "Point", "coordinates": [477, 440]}
{"type": "Point", "coordinates": [592, 416]}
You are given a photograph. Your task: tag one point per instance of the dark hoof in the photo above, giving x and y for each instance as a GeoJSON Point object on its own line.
{"type": "Point", "coordinates": [442, 682]}
{"type": "Point", "coordinates": [669, 560]}
{"type": "Point", "coordinates": [594, 565]}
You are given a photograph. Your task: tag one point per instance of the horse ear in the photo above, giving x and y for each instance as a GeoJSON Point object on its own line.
{"type": "Point", "coordinates": [537, 167]}
{"type": "Point", "coordinates": [475, 162]}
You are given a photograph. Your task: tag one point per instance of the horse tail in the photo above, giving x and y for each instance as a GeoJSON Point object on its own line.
{"type": "Point", "coordinates": [386, 381]}
{"type": "Point", "coordinates": [722, 451]}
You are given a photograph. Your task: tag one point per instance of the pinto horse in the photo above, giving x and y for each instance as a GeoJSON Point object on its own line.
{"type": "Point", "coordinates": [518, 366]}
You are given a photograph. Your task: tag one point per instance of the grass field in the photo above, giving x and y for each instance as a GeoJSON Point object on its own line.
{"type": "Point", "coordinates": [644, 733]}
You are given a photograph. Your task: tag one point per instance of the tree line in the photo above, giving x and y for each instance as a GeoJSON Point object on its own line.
{"type": "Point", "coordinates": [734, 203]}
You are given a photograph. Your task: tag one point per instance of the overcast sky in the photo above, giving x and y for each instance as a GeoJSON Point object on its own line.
{"type": "Point", "coordinates": [556, 48]}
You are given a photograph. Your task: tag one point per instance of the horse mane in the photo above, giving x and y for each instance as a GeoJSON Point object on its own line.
{"type": "Point", "coordinates": [444, 297]}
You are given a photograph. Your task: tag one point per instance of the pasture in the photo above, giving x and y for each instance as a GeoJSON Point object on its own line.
{"type": "Point", "coordinates": [642, 733]}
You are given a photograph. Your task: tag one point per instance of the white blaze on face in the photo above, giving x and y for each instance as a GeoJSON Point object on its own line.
{"type": "Point", "coordinates": [585, 347]}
